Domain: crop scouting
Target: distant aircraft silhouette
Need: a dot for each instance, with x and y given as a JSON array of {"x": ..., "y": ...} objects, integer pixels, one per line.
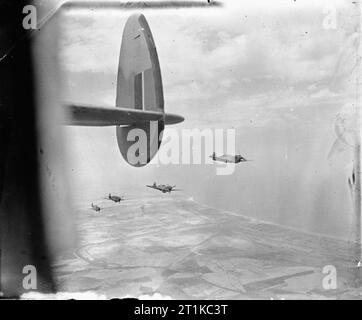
[
  {"x": 228, "y": 158},
  {"x": 164, "y": 188},
  {"x": 115, "y": 198},
  {"x": 95, "y": 207}
]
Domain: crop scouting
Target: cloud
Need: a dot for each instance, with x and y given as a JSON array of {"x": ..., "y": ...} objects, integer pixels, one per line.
[
  {"x": 198, "y": 53},
  {"x": 323, "y": 93}
]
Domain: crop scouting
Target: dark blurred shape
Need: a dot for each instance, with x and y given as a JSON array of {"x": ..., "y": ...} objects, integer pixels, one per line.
[{"x": 21, "y": 216}]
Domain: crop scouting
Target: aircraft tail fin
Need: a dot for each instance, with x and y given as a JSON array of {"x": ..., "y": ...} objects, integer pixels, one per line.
[
  {"x": 139, "y": 83},
  {"x": 139, "y": 87}
]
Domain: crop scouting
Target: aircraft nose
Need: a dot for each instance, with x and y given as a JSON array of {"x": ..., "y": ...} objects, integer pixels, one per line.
[{"x": 171, "y": 118}]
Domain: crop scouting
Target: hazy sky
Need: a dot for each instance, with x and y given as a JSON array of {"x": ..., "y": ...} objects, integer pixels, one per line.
[{"x": 277, "y": 74}]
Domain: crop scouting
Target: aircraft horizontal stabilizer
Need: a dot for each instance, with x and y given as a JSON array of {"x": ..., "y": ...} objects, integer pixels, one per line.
[{"x": 85, "y": 115}]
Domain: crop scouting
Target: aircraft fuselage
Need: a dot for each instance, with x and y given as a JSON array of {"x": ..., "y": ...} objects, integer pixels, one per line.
[{"x": 229, "y": 158}]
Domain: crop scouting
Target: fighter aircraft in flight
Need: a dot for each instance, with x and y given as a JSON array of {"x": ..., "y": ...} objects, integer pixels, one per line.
[
  {"x": 115, "y": 198},
  {"x": 164, "y": 188},
  {"x": 228, "y": 158},
  {"x": 95, "y": 207}
]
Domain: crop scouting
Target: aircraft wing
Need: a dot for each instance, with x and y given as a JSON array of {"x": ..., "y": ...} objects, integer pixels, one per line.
[
  {"x": 86, "y": 115},
  {"x": 153, "y": 187}
]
